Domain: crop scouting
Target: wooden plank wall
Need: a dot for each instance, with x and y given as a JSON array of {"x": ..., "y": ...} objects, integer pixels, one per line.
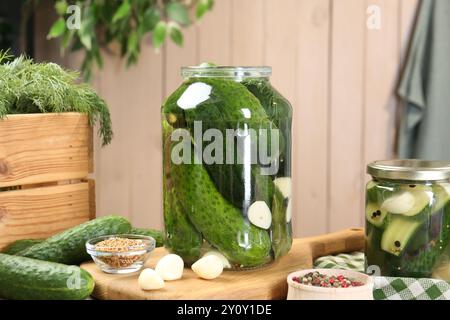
[{"x": 338, "y": 74}]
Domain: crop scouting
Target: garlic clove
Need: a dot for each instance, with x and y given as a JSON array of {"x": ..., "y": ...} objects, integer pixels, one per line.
[
  {"x": 170, "y": 267},
  {"x": 149, "y": 279},
  {"x": 208, "y": 268},
  {"x": 225, "y": 262}
]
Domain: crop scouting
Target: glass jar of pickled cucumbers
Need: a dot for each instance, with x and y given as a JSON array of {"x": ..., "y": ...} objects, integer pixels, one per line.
[
  {"x": 227, "y": 167},
  {"x": 408, "y": 218}
]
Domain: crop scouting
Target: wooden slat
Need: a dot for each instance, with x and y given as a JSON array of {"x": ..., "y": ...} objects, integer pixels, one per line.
[
  {"x": 128, "y": 174},
  {"x": 145, "y": 162},
  {"x": 92, "y": 202},
  {"x": 380, "y": 104},
  {"x": 39, "y": 148},
  {"x": 247, "y": 42},
  {"x": 177, "y": 57},
  {"x": 91, "y": 166},
  {"x": 381, "y": 50},
  {"x": 279, "y": 48},
  {"x": 214, "y": 34},
  {"x": 112, "y": 174},
  {"x": 347, "y": 101},
  {"x": 41, "y": 212},
  {"x": 281, "y": 54},
  {"x": 311, "y": 118}
]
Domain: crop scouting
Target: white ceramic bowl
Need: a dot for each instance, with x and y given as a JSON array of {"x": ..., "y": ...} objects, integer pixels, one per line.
[{"x": 298, "y": 291}]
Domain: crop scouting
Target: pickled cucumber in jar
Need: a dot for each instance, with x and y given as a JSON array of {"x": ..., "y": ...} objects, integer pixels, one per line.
[
  {"x": 227, "y": 166},
  {"x": 407, "y": 216}
]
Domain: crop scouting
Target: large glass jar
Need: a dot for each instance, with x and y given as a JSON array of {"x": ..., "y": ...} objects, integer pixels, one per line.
[
  {"x": 227, "y": 167},
  {"x": 408, "y": 218}
]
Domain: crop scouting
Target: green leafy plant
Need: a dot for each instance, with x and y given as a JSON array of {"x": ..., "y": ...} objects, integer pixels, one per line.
[
  {"x": 29, "y": 87},
  {"x": 126, "y": 22}
]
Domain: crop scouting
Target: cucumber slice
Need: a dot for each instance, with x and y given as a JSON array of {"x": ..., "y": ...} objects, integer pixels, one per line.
[
  {"x": 375, "y": 215},
  {"x": 398, "y": 233},
  {"x": 421, "y": 264},
  {"x": 408, "y": 202},
  {"x": 373, "y": 253},
  {"x": 442, "y": 196},
  {"x": 371, "y": 191},
  {"x": 418, "y": 247},
  {"x": 284, "y": 185}
]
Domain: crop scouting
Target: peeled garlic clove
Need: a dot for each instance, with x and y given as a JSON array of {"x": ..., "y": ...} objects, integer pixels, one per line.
[
  {"x": 208, "y": 268},
  {"x": 149, "y": 279},
  {"x": 170, "y": 267},
  {"x": 225, "y": 262},
  {"x": 260, "y": 215}
]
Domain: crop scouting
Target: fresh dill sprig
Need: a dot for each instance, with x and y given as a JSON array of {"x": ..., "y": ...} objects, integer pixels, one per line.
[{"x": 29, "y": 87}]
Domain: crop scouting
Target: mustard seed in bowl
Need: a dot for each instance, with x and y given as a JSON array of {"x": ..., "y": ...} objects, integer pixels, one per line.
[
  {"x": 117, "y": 244},
  {"x": 120, "y": 253}
]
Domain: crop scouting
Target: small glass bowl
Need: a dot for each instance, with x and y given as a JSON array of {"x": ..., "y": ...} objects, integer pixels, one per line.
[{"x": 124, "y": 261}]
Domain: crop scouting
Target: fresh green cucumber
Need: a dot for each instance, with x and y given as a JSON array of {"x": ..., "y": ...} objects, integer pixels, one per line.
[
  {"x": 155, "y": 234},
  {"x": 375, "y": 215},
  {"x": 281, "y": 228},
  {"x": 29, "y": 279},
  {"x": 181, "y": 237},
  {"x": 68, "y": 247},
  {"x": 20, "y": 245},
  {"x": 220, "y": 223}
]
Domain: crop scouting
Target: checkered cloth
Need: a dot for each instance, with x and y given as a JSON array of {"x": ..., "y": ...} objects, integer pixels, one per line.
[{"x": 389, "y": 288}]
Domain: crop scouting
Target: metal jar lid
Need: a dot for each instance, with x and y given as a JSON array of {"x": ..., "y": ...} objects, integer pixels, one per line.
[{"x": 410, "y": 169}]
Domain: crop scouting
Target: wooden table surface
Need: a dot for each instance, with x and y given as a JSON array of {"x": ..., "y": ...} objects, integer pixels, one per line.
[{"x": 268, "y": 282}]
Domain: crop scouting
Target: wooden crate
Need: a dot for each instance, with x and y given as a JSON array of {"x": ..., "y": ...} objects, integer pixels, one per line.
[{"x": 45, "y": 161}]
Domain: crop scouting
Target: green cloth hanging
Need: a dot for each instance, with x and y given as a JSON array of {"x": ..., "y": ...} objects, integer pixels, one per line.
[{"x": 425, "y": 86}]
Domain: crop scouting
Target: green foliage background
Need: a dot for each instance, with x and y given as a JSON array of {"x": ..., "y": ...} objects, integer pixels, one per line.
[{"x": 125, "y": 22}]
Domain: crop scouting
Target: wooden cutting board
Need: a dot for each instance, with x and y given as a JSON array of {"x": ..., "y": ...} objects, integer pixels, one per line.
[{"x": 265, "y": 283}]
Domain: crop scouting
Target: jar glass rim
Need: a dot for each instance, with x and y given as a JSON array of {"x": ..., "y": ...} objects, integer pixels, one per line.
[
  {"x": 410, "y": 169},
  {"x": 238, "y": 72}
]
